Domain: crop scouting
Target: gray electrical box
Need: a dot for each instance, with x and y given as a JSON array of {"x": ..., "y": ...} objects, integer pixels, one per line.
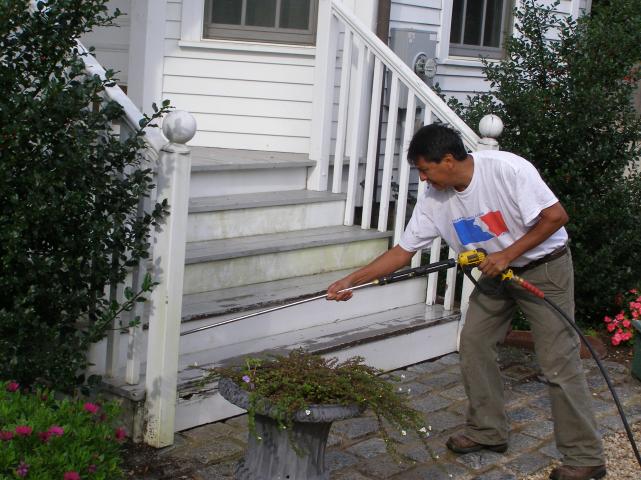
[{"x": 417, "y": 48}]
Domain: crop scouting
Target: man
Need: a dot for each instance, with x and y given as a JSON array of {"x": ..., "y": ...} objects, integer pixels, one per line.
[{"x": 497, "y": 201}]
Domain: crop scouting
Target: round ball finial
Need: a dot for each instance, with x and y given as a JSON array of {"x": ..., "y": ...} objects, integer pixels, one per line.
[
  {"x": 179, "y": 126},
  {"x": 491, "y": 126}
]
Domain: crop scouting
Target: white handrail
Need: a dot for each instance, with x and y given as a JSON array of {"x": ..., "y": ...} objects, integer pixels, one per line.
[
  {"x": 406, "y": 75},
  {"x": 131, "y": 115}
]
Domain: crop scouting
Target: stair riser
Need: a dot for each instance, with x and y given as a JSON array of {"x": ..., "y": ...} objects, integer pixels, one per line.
[
  {"x": 206, "y": 184},
  {"x": 387, "y": 354},
  {"x": 264, "y": 220},
  {"x": 206, "y": 276},
  {"x": 320, "y": 312}
]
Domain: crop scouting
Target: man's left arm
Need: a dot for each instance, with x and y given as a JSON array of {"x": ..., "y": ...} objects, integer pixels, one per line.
[{"x": 550, "y": 220}]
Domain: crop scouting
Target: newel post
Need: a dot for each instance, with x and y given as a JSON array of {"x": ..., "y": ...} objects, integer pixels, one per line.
[
  {"x": 174, "y": 166},
  {"x": 490, "y": 128}
]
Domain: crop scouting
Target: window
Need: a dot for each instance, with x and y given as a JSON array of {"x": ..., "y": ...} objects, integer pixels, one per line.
[
  {"x": 274, "y": 21},
  {"x": 478, "y": 27}
]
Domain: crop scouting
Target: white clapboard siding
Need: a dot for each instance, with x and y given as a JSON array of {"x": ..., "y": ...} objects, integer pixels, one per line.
[
  {"x": 256, "y": 100},
  {"x": 112, "y": 43}
]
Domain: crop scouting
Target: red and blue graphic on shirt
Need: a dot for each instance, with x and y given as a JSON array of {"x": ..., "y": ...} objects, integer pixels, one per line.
[{"x": 480, "y": 228}]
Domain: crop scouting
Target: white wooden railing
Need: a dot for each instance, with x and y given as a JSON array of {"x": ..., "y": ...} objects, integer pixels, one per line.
[
  {"x": 359, "y": 111},
  {"x": 170, "y": 160}
]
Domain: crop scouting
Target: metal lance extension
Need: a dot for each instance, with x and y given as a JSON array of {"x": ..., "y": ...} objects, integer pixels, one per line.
[{"x": 391, "y": 278}]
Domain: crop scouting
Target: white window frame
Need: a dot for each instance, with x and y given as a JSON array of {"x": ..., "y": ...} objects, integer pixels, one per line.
[
  {"x": 191, "y": 35},
  {"x": 475, "y": 51},
  {"x": 251, "y": 33}
]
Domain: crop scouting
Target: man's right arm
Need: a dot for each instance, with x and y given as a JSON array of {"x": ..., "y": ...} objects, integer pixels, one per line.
[{"x": 387, "y": 263}]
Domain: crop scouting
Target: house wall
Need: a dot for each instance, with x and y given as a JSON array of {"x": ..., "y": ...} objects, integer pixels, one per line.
[
  {"x": 457, "y": 76},
  {"x": 258, "y": 99},
  {"x": 112, "y": 43}
]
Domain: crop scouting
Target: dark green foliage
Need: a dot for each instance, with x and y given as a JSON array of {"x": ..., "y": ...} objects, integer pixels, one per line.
[
  {"x": 566, "y": 106},
  {"x": 295, "y": 382},
  {"x": 69, "y": 190}
]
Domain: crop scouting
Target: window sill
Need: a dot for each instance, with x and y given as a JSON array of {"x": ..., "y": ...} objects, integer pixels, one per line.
[
  {"x": 465, "y": 62},
  {"x": 302, "y": 50}
]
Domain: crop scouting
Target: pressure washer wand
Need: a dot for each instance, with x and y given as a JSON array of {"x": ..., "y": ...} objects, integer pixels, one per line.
[{"x": 391, "y": 278}]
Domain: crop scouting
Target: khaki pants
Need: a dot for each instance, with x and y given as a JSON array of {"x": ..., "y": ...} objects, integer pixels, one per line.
[{"x": 557, "y": 350}]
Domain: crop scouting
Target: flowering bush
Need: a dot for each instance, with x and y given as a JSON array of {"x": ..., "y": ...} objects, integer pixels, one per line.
[
  {"x": 44, "y": 438},
  {"x": 620, "y": 326}
]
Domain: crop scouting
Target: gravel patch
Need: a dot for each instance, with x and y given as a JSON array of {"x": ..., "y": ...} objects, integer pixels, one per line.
[{"x": 620, "y": 459}]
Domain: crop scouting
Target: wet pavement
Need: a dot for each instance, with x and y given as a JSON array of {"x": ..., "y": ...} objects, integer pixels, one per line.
[{"x": 356, "y": 452}]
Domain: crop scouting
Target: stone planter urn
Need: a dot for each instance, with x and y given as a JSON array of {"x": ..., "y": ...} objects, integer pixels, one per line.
[{"x": 273, "y": 457}]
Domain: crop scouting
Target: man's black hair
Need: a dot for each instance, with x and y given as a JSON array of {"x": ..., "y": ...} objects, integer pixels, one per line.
[{"x": 433, "y": 142}]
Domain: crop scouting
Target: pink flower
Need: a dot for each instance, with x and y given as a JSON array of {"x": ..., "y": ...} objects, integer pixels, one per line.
[
  {"x": 635, "y": 313},
  {"x": 120, "y": 434},
  {"x": 616, "y": 340},
  {"x": 44, "y": 436},
  {"x": 92, "y": 468},
  {"x": 5, "y": 435},
  {"x": 626, "y": 323},
  {"x": 626, "y": 336},
  {"x": 607, "y": 319},
  {"x": 91, "y": 407},
  {"x": 12, "y": 386},
  {"x": 56, "y": 431},
  {"x": 23, "y": 430},
  {"x": 620, "y": 316},
  {"x": 611, "y": 327},
  {"x": 72, "y": 476},
  {"x": 22, "y": 469},
  {"x": 634, "y": 290}
]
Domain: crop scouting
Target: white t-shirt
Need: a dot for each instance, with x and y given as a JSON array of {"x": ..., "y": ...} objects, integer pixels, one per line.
[{"x": 501, "y": 203}]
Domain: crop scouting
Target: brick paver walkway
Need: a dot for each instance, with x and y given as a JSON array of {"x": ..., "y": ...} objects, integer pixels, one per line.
[{"x": 356, "y": 453}]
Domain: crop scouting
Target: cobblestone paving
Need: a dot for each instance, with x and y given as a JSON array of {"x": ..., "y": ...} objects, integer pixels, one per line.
[{"x": 355, "y": 452}]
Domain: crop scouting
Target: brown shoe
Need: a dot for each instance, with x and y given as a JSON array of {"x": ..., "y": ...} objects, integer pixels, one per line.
[
  {"x": 461, "y": 444},
  {"x": 578, "y": 473}
]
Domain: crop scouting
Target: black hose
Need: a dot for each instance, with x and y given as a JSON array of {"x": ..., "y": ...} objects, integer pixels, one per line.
[{"x": 628, "y": 430}]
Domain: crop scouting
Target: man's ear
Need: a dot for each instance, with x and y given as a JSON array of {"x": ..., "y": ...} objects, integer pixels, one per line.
[{"x": 448, "y": 160}]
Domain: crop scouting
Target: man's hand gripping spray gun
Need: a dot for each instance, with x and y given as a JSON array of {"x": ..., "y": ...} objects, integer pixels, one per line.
[{"x": 473, "y": 258}]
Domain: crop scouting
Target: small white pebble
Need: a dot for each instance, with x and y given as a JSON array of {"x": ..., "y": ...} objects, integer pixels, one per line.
[
  {"x": 429, "y": 427},
  {"x": 402, "y": 376},
  {"x": 308, "y": 412},
  {"x": 259, "y": 438},
  {"x": 427, "y": 434},
  {"x": 409, "y": 390},
  {"x": 594, "y": 394},
  {"x": 400, "y": 389},
  {"x": 423, "y": 429},
  {"x": 195, "y": 364},
  {"x": 403, "y": 432},
  {"x": 436, "y": 456},
  {"x": 450, "y": 475}
]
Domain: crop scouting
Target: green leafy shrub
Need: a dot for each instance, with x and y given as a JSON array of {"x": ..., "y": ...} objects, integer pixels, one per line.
[
  {"x": 565, "y": 100},
  {"x": 44, "y": 438},
  {"x": 69, "y": 192},
  {"x": 292, "y": 383}
]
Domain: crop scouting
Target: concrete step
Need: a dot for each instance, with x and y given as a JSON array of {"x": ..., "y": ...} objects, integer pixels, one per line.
[
  {"x": 216, "y": 306},
  {"x": 221, "y": 171},
  {"x": 387, "y": 340},
  {"x": 246, "y": 214},
  {"x": 226, "y": 263}
]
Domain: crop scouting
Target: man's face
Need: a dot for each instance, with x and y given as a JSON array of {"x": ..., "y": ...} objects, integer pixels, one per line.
[{"x": 437, "y": 174}]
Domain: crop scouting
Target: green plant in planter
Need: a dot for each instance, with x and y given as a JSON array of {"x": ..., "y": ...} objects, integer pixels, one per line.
[{"x": 293, "y": 383}]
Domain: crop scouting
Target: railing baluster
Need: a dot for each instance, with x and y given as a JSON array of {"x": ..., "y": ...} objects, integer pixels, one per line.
[
  {"x": 388, "y": 162},
  {"x": 352, "y": 178},
  {"x": 404, "y": 167},
  {"x": 450, "y": 284},
  {"x": 420, "y": 191},
  {"x": 432, "y": 279},
  {"x": 341, "y": 128},
  {"x": 428, "y": 115},
  {"x": 116, "y": 293},
  {"x": 372, "y": 142}
]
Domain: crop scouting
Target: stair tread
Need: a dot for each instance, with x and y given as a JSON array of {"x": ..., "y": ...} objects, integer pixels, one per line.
[
  {"x": 255, "y": 296},
  {"x": 210, "y": 159},
  {"x": 223, "y": 249},
  {"x": 264, "y": 199},
  {"x": 322, "y": 339}
]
